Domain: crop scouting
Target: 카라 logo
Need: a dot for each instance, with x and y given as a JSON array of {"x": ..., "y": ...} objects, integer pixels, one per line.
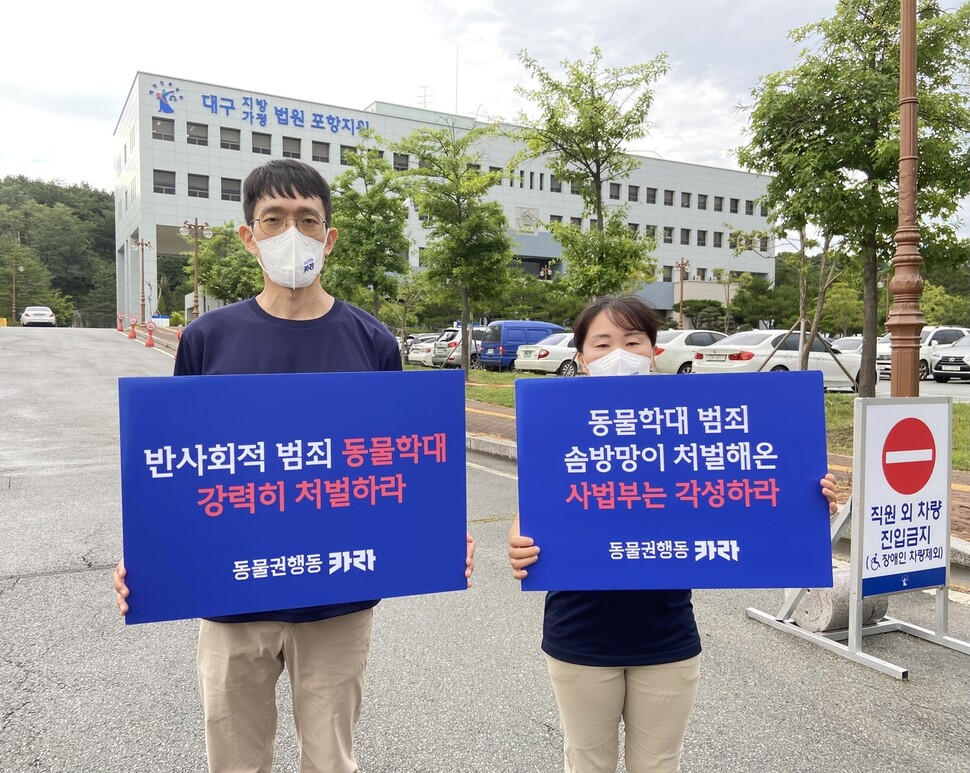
[
  {"x": 308, "y": 265},
  {"x": 167, "y": 95}
]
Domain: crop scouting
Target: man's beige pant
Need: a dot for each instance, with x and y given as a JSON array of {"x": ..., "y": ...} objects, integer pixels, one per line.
[
  {"x": 654, "y": 702},
  {"x": 239, "y": 665}
]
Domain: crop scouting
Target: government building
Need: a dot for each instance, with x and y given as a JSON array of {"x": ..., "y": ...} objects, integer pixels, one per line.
[{"x": 183, "y": 149}]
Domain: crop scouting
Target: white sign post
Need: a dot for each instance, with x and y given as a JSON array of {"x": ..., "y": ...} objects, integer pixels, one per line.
[{"x": 900, "y": 518}]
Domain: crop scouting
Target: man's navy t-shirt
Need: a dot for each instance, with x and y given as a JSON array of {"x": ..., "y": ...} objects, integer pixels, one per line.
[{"x": 243, "y": 339}]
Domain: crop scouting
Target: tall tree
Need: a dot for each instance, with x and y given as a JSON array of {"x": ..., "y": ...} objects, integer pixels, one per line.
[
  {"x": 827, "y": 132},
  {"x": 583, "y": 123},
  {"x": 469, "y": 245},
  {"x": 370, "y": 212},
  {"x": 226, "y": 269}
]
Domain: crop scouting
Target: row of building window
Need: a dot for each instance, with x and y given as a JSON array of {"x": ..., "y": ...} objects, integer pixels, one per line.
[
  {"x": 163, "y": 181},
  {"x": 292, "y": 147},
  {"x": 701, "y": 274},
  {"x": 701, "y": 240}
]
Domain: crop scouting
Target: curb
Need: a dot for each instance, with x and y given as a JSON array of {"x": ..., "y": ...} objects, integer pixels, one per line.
[{"x": 959, "y": 548}]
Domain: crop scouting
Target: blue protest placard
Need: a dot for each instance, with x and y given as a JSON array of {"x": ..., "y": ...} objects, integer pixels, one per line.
[
  {"x": 255, "y": 493},
  {"x": 698, "y": 481}
]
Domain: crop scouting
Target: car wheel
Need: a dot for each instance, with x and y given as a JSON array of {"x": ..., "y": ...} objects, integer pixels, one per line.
[
  {"x": 685, "y": 368},
  {"x": 779, "y": 369},
  {"x": 474, "y": 363},
  {"x": 568, "y": 368},
  {"x": 924, "y": 370},
  {"x": 940, "y": 378}
]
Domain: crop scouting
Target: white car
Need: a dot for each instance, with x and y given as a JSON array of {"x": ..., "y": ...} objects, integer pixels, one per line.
[
  {"x": 447, "y": 347},
  {"x": 952, "y": 361},
  {"x": 38, "y": 315},
  {"x": 752, "y": 351},
  {"x": 421, "y": 353},
  {"x": 674, "y": 352},
  {"x": 848, "y": 343},
  {"x": 930, "y": 339},
  {"x": 553, "y": 354}
]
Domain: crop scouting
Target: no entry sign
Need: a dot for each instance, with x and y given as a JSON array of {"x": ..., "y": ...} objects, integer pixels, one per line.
[{"x": 909, "y": 456}]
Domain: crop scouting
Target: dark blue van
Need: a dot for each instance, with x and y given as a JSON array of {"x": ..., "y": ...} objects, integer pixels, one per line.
[{"x": 504, "y": 336}]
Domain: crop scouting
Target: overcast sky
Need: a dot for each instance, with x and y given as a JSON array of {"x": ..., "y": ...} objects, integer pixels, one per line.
[{"x": 66, "y": 69}]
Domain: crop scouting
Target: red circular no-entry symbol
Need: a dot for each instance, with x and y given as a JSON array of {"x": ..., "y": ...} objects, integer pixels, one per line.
[{"x": 908, "y": 456}]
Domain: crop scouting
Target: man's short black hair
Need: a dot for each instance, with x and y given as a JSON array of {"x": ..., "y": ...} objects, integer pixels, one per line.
[{"x": 288, "y": 179}]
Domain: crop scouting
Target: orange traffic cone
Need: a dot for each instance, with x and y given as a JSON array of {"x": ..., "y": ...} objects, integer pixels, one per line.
[
  {"x": 150, "y": 327},
  {"x": 121, "y": 323},
  {"x": 131, "y": 330}
]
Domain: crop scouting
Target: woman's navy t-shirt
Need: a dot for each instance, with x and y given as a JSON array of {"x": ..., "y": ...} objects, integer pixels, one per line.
[
  {"x": 620, "y": 628},
  {"x": 242, "y": 338}
]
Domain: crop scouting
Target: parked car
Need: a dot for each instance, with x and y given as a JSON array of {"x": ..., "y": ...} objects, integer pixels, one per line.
[
  {"x": 674, "y": 352},
  {"x": 503, "y": 338},
  {"x": 951, "y": 361},
  {"x": 930, "y": 338},
  {"x": 416, "y": 338},
  {"x": 746, "y": 352},
  {"x": 420, "y": 353},
  {"x": 447, "y": 347},
  {"x": 553, "y": 354},
  {"x": 848, "y": 343},
  {"x": 38, "y": 315}
]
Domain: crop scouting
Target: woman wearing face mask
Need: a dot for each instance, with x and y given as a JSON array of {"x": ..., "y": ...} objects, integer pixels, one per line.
[{"x": 626, "y": 654}]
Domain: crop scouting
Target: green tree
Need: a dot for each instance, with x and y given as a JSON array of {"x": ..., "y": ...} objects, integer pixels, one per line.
[
  {"x": 842, "y": 312},
  {"x": 226, "y": 269},
  {"x": 583, "y": 123},
  {"x": 468, "y": 245},
  {"x": 827, "y": 132},
  {"x": 941, "y": 308},
  {"x": 33, "y": 283},
  {"x": 370, "y": 212}
]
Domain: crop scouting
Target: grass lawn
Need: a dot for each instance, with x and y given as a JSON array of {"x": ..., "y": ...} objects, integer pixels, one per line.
[{"x": 496, "y": 388}]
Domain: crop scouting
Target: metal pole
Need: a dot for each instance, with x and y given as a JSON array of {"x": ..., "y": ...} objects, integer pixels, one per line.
[
  {"x": 195, "y": 291},
  {"x": 682, "y": 266},
  {"x": 13, "y": 290},
  {"x": 141, "y": 245},
  {"x": 905, "y": 318}
]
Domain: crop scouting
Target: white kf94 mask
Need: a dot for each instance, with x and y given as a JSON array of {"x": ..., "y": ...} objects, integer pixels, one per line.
[
  {"x": 620, "y": 362},
  {"x": 291, "y": 259}
]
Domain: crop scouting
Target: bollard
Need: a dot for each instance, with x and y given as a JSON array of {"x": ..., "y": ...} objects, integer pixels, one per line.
[
  {"x": 827, "y": 609},
  {"x": 121, "y": 323},
  {"x": 131, "y": 330},
  {"x": 150, "y": 327}
]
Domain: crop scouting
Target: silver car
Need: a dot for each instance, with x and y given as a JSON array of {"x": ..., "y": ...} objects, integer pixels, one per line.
[{"x": 952, "y": 361}]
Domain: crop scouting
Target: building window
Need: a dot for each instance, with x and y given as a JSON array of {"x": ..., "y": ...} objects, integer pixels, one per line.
[
  {"x": 199, "y": 186},
  {"x": 651, "y": 195},
  {"x": 633, "y": 193},
  {"x": 748, "y": 207},
  {"x": 228, "y": 138},
  {"x": 764, "y": 244},
  {"x": 197, "y": 134},
  {"x": 320, "y": 152},
  {"x": 732, "y": 241},
  {"x": 532, "y": 180},
  {"x": 718, "y": 239},
  {"x": 764, "y": 210},
  {"x": 702, "y": 238},
  {"x": 291, "y": 147},
  {"x": 493, "y": 169},
  {"x": 668, "y": 234},
  {"x": 574, "y": 189},
  {"x": 262, "y": 143},
  {"x": 163, "y": 182},
  {"x": 668, "y": 275},
  {"x": 555, "y": 184},
  {"x": 718, "y": 203},
  {"x": 593, "y": 224},
  {"x": 423, "y": 163},
  {"x": 542, "y": 181},
  {"x": 421, "y": 258},
  {"x": 668, "y": 198},
  {"x": 734, "y": 206},
  {"x": 231, "y": 189},
  {"x": 651, "y": 231},
  {"x": 401, "y": 162},
  {"x": 345, "y": 151},
  {"x": 576, "y": 221},
  {"x": 685, "y": 236},
  {"x": 701, "y": 274},
  {"x": 702, "y": 201},
  {"x": 521, "y": 178},
  {"x": 163, "y": 129},
  {"x": 685, "y": 200},
  {"x": 615, "y": 191},
  {"x": 634, "y": 228},
  {"x": 555, "y": 218}
]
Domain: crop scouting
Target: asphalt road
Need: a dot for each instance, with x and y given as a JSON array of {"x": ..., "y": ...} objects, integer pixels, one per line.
[{"x": 456, "y": 682}]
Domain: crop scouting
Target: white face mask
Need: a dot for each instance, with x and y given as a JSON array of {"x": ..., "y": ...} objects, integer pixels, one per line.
[
  {"x": 291, "y": 259},
  {"x": 620, "y": 362}
]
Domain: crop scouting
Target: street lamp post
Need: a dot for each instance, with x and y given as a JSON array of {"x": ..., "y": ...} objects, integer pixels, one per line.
[
  {"x": 142, "y": 246},
  {"x": 195, "y": 228},
  {"x": 905, "y": 319},
  {"x": 683, "y": 264},
  {"x": 15, "y": 268}
]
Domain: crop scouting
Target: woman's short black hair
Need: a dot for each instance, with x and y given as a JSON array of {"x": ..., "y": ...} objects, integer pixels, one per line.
[
  {"x": 288, "y": 179},
  {"x": 630, "y": 312}
]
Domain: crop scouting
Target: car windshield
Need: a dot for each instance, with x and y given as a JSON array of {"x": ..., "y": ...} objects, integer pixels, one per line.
[
  {"x": 553, "y": 340},
  {"x": 666, "y": 336},
  {"x": 750, "y": 338}
]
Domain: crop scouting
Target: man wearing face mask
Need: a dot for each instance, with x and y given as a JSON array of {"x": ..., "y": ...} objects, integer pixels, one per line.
[{"x": 292, "y": 326}]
